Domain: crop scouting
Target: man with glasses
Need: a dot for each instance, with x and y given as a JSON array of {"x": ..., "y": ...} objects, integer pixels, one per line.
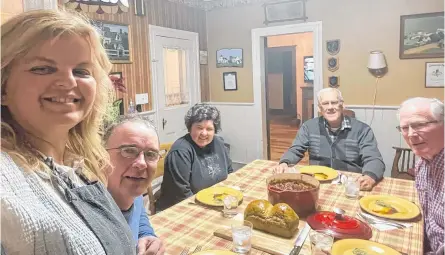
[
  {"x": 337, "y": 141},
  {"x": 422, "y": 127},
  {"x": 133, "y": 146}
]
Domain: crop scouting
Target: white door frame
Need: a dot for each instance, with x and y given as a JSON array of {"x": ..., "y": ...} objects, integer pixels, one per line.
[
  {"x": 258, "y": 68},
  {"x": 195, "y": 93}
]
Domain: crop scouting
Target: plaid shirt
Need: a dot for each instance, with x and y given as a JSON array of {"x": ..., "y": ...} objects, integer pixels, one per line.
[
  {"x": 430, "y": 185},
  {"x": 333, "y": 134}
]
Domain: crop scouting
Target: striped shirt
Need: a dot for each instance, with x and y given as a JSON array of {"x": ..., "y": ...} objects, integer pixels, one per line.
[{"x": 430, "y": 186}]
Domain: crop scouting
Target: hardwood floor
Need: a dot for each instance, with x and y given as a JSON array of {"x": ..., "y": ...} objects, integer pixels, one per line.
[{"x": 283, "y": 130}]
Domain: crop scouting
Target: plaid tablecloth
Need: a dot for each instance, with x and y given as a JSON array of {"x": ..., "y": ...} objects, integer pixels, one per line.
[{"x": 188, "y": 225}]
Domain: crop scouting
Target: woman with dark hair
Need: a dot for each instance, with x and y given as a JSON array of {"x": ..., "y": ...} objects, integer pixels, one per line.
[{"x": 197, "y": 160}]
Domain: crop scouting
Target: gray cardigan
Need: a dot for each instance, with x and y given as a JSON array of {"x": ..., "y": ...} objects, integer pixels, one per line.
[{"x": 354, "y": 149}]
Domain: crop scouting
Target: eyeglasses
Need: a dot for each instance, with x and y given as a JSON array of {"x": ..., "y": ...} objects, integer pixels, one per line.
[
  {"x": 133, "y": 152},
  {"x": 417, "y": 126},
  {"x": 333, "y": 103}
]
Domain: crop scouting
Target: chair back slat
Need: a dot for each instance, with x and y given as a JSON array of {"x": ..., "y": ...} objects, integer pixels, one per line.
[{"x": 403, "y": 165}]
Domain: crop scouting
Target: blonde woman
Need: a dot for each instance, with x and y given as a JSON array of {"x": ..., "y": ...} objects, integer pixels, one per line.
[{"x": 54, "y": 92}]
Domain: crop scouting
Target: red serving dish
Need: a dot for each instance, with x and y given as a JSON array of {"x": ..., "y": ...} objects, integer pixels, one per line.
[
  {"x": 338, "y": 225},
  {"x": 303, "y": 202}
]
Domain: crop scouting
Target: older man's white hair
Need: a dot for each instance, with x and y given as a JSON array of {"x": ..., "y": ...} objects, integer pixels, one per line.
[
  {"x": 436, "y": 106},
  {"x": 322, "y": 91}
]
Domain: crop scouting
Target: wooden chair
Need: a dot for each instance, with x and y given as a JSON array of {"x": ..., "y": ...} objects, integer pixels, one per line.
[
  {"x": 153, "y": 197},
  {"x": 404, "y": 163},
  {"x": 349, "y": 113}
]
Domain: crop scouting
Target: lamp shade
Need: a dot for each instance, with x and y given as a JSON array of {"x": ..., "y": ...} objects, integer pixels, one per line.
[{"x": 376, "y": 60}]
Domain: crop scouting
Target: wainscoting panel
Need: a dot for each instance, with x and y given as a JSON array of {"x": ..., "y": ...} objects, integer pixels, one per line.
[
  {"x": 240, "y": 130},
  {"x": 383, "y": 121}
]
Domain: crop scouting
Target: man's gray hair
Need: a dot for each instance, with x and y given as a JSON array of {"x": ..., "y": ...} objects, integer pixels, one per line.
[
  {"x": 436, "y": 106},
  {"x": 132, "y": 118},
  {"x": 322, "y": 91}
]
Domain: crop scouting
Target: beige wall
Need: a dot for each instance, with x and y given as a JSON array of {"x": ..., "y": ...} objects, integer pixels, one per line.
[
  {"x": 361, "y": 26},
  {"x": 305, "y": 47},
  {"x": 10, "y": 8}
]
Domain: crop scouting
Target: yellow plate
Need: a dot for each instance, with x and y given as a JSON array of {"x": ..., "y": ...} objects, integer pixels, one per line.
[
  {"x": 213, "y": 196},
  {"x": 321, "y": 173},
  {"x": 362, "y": 247},
  {"x": 375, "y": 204},
  {"x": 214, "y": 252}
]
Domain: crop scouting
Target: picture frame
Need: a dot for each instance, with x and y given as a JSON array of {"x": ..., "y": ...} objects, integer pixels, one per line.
[
  {"x": 308, "y": 69},
  {"x": 230, "y": 81},
  {"x": 422, "y": 36},
  {"x": 116, "y": 40},
  {"x": 229, "y": 58},
  {"x": 117, "y": 74},
  {"x": 284, "y": 11},
  {"x": 434, "y": 75},
  {"x": 203, "y": 57}
]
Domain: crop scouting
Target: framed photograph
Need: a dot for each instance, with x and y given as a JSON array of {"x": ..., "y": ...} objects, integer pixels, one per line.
[
  {"x": 116, "y": 74},
  {"x": 421, "y": 36},
  {"x": 230, "y": 81},
  {"x": 203, "y": 57},
  {"x": 434, "y": 75},
  {"x": 309, "y": 69},
  {"x": 115, "y": 39},
  {"x": 285, "y": 11},
  {"x": 229, "y": 58}
]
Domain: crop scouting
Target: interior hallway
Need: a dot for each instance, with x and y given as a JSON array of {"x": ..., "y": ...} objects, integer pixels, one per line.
[{"x": 283, "y": 130}]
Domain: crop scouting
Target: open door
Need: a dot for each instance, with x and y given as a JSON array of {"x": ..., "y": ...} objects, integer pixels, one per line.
[{"x": 280, "y": 88}]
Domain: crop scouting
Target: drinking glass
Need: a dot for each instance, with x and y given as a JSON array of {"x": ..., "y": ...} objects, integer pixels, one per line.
[
  {"x": 242, "y": 235},
  {"x": 352, "y": 188},
  {"x": 230, "y": 204},
  {"x": 321, "y": 243}
]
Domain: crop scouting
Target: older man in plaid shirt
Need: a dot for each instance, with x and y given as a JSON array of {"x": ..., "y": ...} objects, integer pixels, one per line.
[{"x": 422, "y": 126}]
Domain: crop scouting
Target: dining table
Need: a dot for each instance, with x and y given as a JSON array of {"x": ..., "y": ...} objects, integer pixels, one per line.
[{"x": 187, "y": 224}]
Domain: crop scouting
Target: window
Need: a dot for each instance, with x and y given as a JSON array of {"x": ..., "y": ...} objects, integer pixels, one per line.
[{"x": 176, "y": 87}]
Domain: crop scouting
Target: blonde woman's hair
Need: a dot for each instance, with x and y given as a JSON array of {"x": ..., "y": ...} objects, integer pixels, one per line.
[{"x": 31, "y": 29}]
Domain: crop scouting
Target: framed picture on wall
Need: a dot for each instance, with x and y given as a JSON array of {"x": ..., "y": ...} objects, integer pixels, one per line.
[
  {"x": 421, "y": 36},
  {"x": 434, "y": 75},
  {"x": 229, "y": 58},
  {"x": 115, "y": 39},
  {"x": 230, "y": 81},
  {"x": 116, "y": 74},
  {"x": 309, "y": 69}
]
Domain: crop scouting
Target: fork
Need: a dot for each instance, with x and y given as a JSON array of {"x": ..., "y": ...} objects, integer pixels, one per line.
[
  {"x": 185, "y": 251},
  {"x": 197, "y": 249}
]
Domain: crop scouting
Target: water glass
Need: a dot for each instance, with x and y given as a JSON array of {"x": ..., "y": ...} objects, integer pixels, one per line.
[
  {"x": 321, "y": 243},
  {"x": 230, "y": 204},
  {"x": 242, "y": 236},
  {"x": 352, "y": 188}
]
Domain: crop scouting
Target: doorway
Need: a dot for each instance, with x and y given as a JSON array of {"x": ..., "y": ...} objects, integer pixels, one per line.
[
  {"x": 175, "y": 79},
  {"x": 259, "y": 73},
  {"x": 292, "y": 79},
  {"x": 280, "y": 97}
]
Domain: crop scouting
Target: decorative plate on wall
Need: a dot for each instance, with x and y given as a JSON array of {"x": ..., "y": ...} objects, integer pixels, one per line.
[
  {"x": 333, "y": 64},
  {"x": 334, "y": 81}
]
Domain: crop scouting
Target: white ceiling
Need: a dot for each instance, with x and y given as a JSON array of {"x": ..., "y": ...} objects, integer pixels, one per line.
[{"x": 213, "y": 4}]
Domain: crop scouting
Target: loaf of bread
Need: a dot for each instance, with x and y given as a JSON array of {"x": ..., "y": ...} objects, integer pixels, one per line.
[{"x": 280, "y": 219}]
